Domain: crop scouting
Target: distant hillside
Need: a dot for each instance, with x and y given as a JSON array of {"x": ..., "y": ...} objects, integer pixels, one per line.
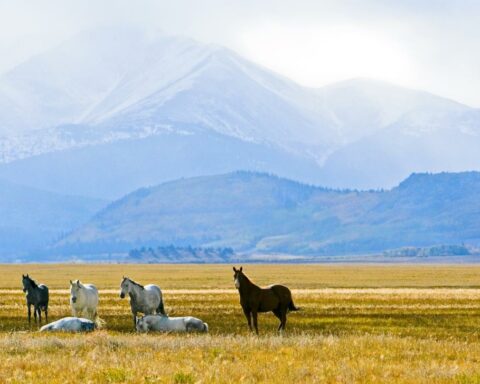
[
  {"x": 31, "y": 219},
  {"x": 253, "y": 212},
  {"x": 172, "y": 254}
]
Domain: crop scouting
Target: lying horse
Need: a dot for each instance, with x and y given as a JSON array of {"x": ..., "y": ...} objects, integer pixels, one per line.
[
  {"x": 144, "y": 299},
  {"x": 37, "y": 295},
  {"x": 70, "y": 324},
  {"x": 83, "y": 299},
  {"x": 166, "y": 324},
  {"x": 253, "y": 299}
]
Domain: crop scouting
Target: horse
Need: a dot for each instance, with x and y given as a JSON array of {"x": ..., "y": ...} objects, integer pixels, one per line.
[
  {"x": 144, "y": 299},
  {"x": 165, "y": 324},
  {"x": 83, "y": 299},
  {"x": 37, "y": 295},
  {"x": 70, "y": 324},
  {"x": 253, "y": 299}
]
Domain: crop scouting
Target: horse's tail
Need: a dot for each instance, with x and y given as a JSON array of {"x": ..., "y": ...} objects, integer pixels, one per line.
[
  {"x": 205, "y": 327},
  {"x": 161, "y": 308},
  {"x": 292, "y": 306},
  {"x": 99, "y": 323}
]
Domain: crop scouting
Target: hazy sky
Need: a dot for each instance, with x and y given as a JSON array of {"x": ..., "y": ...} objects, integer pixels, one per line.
[{"x": 431, "y": 45}]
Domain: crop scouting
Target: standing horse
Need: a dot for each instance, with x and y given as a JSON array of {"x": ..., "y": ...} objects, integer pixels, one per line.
[
  {"x": 83, "y": 299},
  {"x": 144, "y": 299},
  {"x": 37, "y": 295},
  {"x": 253, "y": 299}
]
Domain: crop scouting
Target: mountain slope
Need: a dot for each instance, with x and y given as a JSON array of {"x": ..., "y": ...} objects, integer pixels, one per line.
[
  {"x": 31, "y": 219},
  {"x": 106, "y": 90},
  {"x": 419, "y": 141},
  {"x": 261, "y": 213}
]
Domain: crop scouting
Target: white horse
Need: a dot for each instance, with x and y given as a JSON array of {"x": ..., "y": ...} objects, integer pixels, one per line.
[
  {"x": 70, "y": 324},
  {"x": 83, "y": 299},
  {"x": 167, "y": 324},
  {"x": 143, "y": 299}
]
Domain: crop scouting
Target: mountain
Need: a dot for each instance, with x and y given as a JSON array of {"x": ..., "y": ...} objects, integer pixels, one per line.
[
  {"x": 115, "y": 109},
  {"x": 31, "y": 219},
  {"x": 261, "y": 213},
  {"x": 417, "y": 132}
]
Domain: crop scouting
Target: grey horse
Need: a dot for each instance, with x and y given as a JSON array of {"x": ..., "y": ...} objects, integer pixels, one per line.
[
  {"x": 143, "y": 299},
  {"x": 170, "y": 324},
  {"x": 37, "y": 295},
  {"x": 70, "y": 324}
]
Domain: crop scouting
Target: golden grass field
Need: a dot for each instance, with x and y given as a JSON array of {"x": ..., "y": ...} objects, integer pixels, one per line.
[{"x": 358, "y": 323}]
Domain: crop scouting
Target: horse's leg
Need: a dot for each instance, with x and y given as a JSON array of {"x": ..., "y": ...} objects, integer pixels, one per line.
[
  {"x": 278, "y": 314},
  {"x": 29, "y": 306},
  {"x": 249, "y": 319},
  {"x": 35, "y": 312},
  {"x": 39, "y": 315},
  {"x": 134, "y": 320},
  {"x": 284, "y": 318},
  {"x": 46, "y": 314},
  {"x": 255, "y": 324}
]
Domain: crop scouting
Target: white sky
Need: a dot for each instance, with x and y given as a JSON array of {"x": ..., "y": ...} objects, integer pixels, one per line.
[{"x": 430, "y": 45}]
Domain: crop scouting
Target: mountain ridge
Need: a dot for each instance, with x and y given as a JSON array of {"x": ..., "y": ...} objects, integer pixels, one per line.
[{"x": 261, "y": 213}]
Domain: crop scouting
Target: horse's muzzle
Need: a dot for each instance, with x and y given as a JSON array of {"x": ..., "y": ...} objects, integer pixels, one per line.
[
  {"x": 74, "y": 299},
  {"x": 122, "y": 295},
  {"x": 24, "y": 290}
]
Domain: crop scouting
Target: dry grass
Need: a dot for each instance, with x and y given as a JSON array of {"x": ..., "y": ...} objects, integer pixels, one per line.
[
  {"x": 374, "y": 332},
  {"x": 220, "y": 276}
]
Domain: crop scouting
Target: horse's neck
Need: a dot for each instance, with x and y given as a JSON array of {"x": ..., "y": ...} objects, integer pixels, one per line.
[
  {"x": 135, "y": 295},
  {"x": 246, "y": 286},
  {"x": 31, "y": 290}
]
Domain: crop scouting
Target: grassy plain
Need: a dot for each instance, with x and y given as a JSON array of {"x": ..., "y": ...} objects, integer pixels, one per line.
[{"x": 358, "y": 323}]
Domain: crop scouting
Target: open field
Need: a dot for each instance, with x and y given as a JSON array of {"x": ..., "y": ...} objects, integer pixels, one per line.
[{"x": 394, "y": 323}]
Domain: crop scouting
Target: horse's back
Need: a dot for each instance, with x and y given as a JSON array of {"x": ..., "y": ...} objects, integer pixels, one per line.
[
  {"x": 153, "y": 288},
  {"x": 43, "y": 296},
  {"x": 92, "y": 291},
  {"x": 153, "y": 291},
  {"x": 91, "y": 288},
  {"x": 283, "y": 292},
  {"x": 152, "y": 299}
]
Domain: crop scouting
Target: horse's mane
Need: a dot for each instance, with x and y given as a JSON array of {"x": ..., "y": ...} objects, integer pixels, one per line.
[
  {"x": 135, "y": 283},
  {"x": 32, "y": 282},
  {"x": 246, "y": 278}
]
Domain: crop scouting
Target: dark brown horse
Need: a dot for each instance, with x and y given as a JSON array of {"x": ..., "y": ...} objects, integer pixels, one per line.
[{"x": 275, "y": 298}]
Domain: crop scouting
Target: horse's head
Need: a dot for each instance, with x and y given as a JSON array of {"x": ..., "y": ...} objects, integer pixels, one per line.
[
  {"x": 140, "y": 324},
  {"x": 26, "y": 282},
  {"x": 237, "y": 276},
  {"x": 124, "y": 287},
  {"x": 75, "y": 286}
]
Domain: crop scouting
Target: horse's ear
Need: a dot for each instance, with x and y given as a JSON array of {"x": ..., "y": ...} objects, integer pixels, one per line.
[
  {"x": 78, "y": 283},
  {"x": 241, "y": 268},
  {"x": 27, "y": 275},
  {"x": 71, "y": 282},
  {"x": 23, "y": 275},
  {"x": 234, "y": 269}
]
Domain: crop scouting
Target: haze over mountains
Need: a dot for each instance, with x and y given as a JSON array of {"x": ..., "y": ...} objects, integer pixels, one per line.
[{"x": 115, "y": 109}]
